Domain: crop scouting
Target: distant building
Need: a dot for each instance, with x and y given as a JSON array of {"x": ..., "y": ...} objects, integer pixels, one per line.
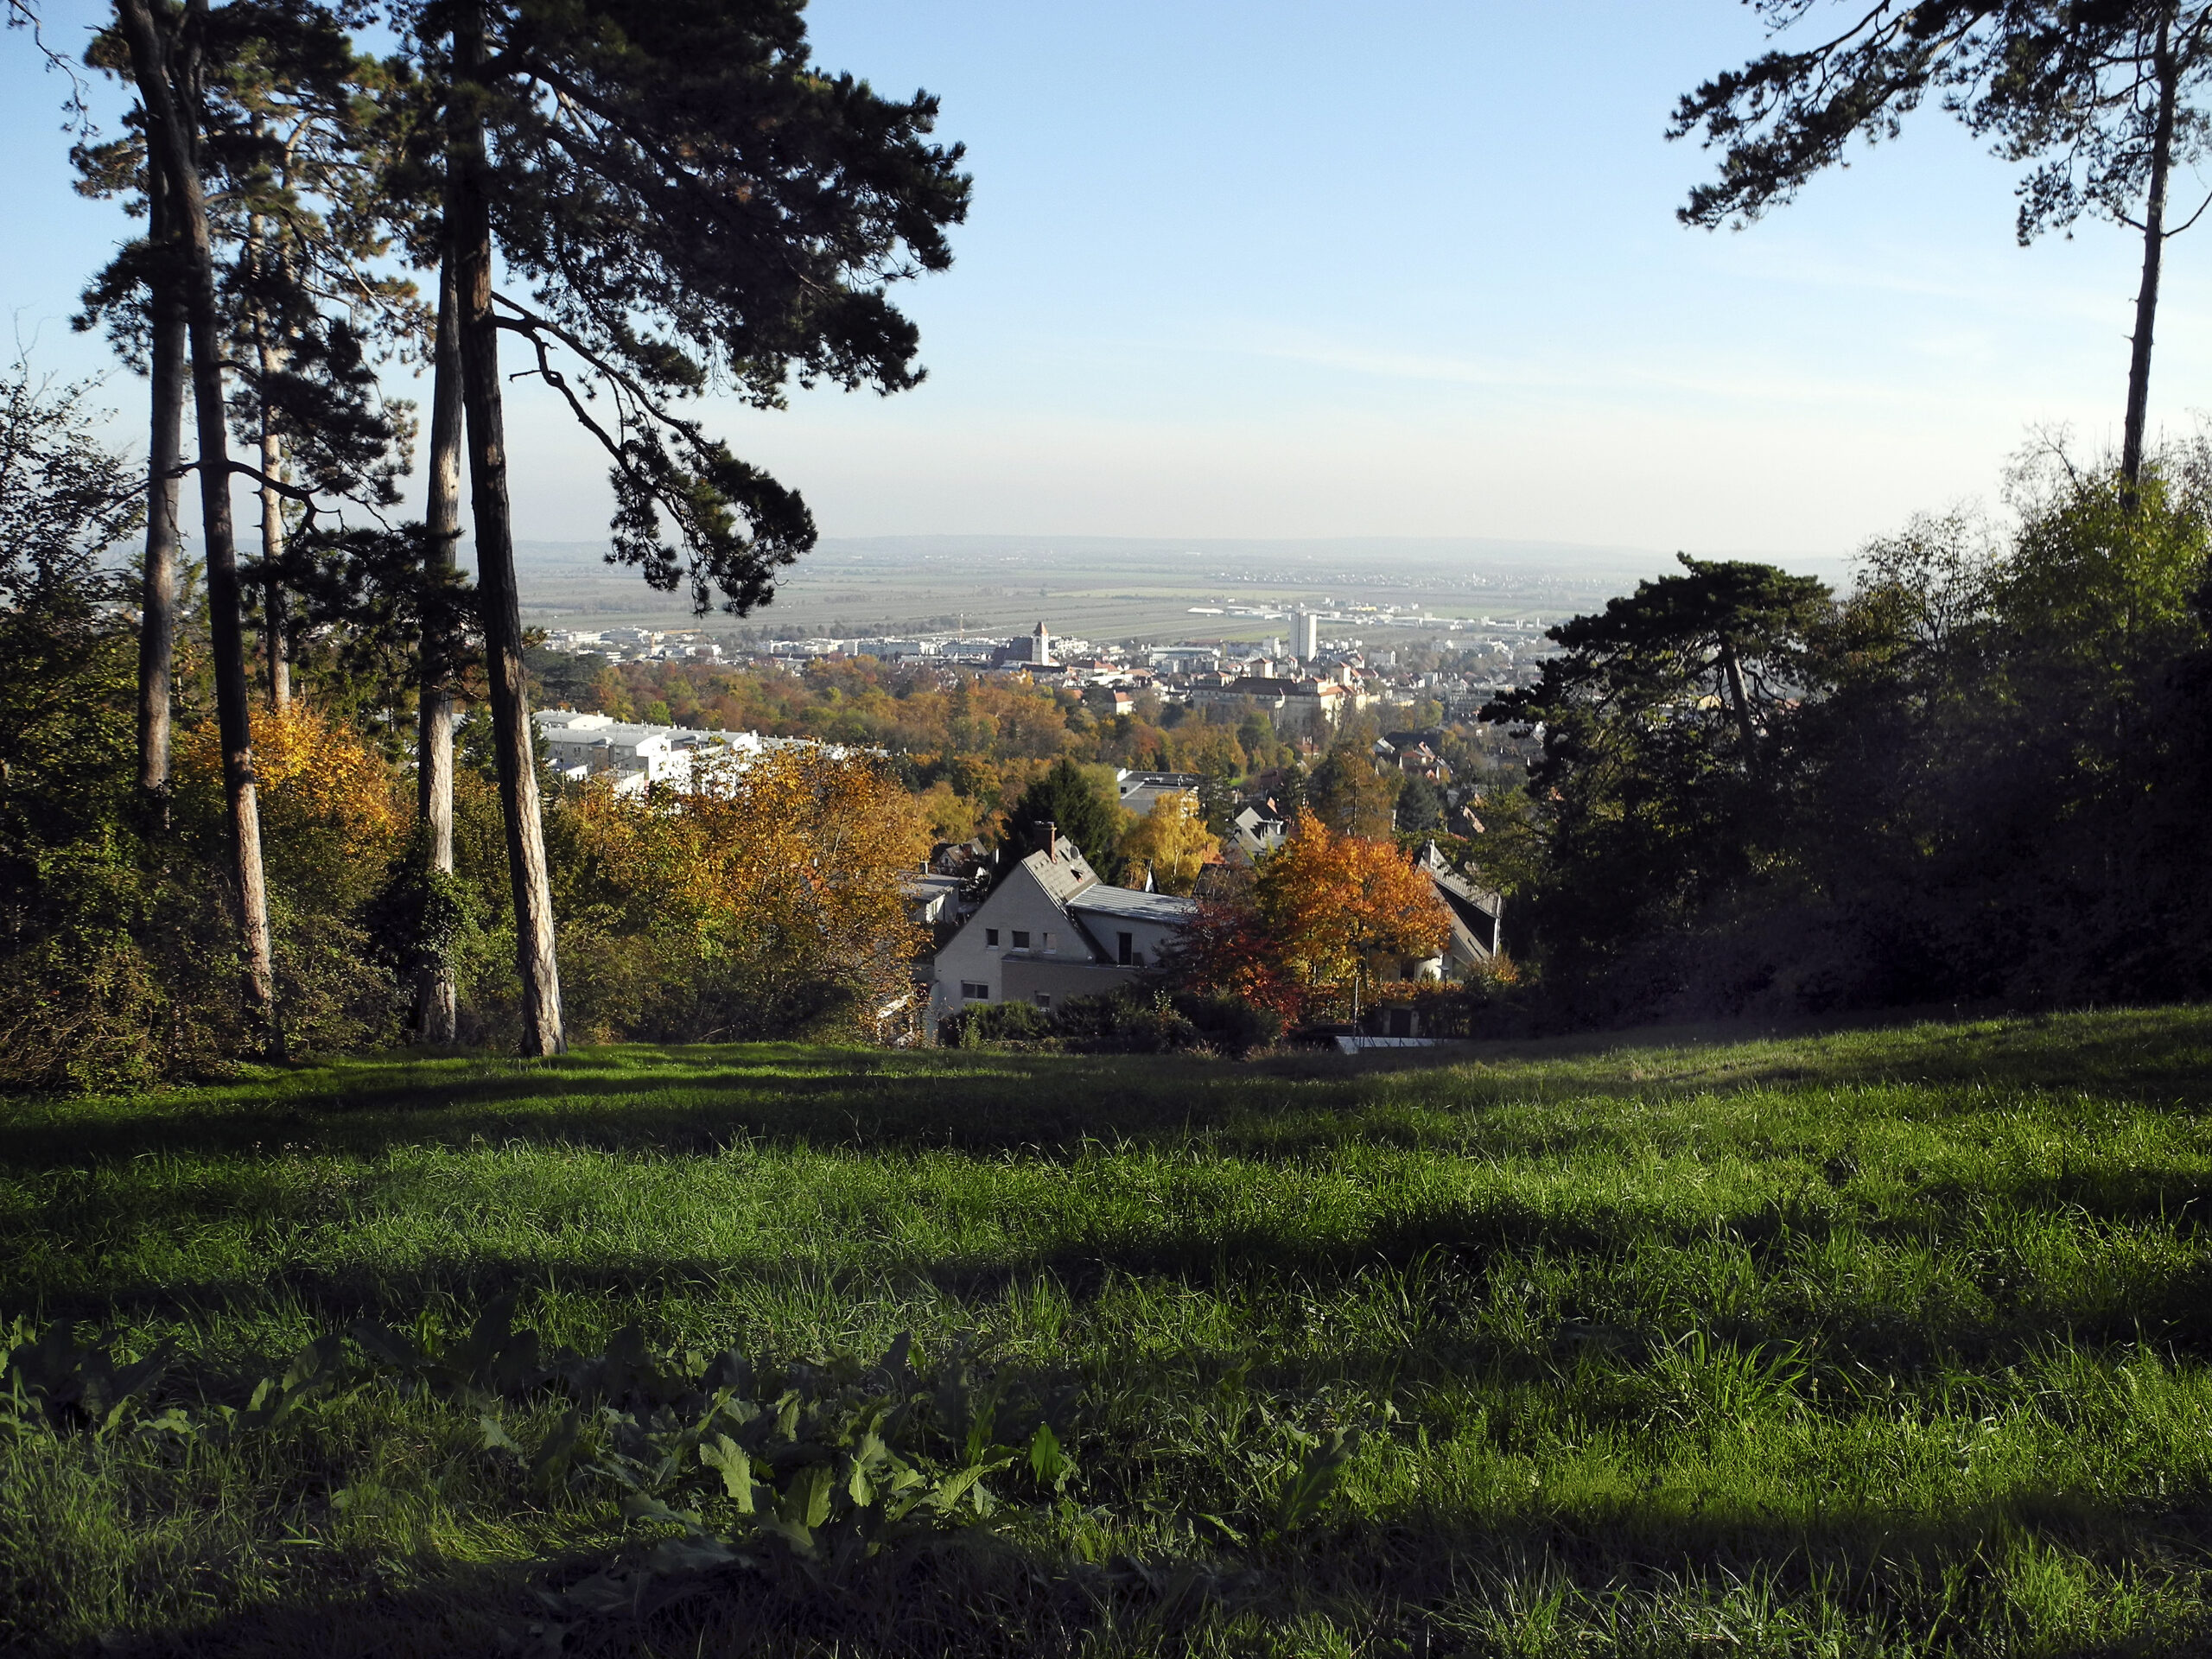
[
  {"x": 1294, "y": 704},
  {"x": 1040, "y": 648},
  {"x": 1256, "y": 831},
  {"x": 1051, "y": 930},
  {"x": 1141, "y": 789},
  {"x": 633, "y": 757},
  {"x": 1305, "y": 626}
]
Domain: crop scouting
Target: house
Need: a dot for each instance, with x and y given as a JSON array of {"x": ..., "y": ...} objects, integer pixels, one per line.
[
  {"x": 1256, "y": 831},
  {"x": 1049, "y": 930},
  {"x": 1109, "y": 701},
  {"x": 1139, "y": 789},
  {"x": 932, "y": 900},
  {"x": 1478, "y": 915}
]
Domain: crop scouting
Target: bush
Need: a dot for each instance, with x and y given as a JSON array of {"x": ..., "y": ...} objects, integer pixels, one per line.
[
  {"x": 992, "y": 1025},
  {"x": 1130, "y": 1020},
  {"x": 1233, "y": 1028}
]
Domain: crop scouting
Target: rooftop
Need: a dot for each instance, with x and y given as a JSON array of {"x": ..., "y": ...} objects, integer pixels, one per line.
[{"x": 1130, "y": 904}]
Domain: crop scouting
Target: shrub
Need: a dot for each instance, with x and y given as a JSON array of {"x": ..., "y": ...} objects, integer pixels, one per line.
[
  {"x": 991, "y": 1024},
  {"x": 1131, "y": 1021}
]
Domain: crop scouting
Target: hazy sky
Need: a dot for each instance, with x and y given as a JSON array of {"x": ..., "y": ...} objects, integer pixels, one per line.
[{"x": 1272, "y": 268}]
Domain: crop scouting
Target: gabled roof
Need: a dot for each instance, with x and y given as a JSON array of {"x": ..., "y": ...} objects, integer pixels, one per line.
[{"x": 1063, "y": 874}]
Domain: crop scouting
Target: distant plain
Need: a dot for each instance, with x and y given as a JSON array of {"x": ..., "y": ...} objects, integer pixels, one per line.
[{"x": 1108, "y": 589}]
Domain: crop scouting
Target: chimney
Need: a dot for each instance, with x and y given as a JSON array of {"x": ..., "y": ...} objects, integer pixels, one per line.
[{"x": 1048, "y": 839}]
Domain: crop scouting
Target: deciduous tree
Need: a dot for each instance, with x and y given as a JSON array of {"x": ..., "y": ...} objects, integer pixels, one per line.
[
  {"x": 1172, "y": 841},
  {"x": 1330, "y": 902},
  {"x": 770, "y": 897}
]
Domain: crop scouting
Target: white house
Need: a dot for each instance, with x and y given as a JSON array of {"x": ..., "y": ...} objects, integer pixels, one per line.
[{"x": 1049, "y": 930}]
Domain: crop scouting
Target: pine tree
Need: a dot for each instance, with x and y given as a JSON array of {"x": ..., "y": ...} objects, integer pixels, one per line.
[
  {"x": 2102, "y": 98},
  {"x": 690, "y": 199}
]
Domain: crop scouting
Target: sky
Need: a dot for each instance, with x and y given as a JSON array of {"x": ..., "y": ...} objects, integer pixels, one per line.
[{"x": 1268, "y": 268}]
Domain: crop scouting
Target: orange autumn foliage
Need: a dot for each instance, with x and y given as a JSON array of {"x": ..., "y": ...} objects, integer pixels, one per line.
[
  {"x": 1330, "y": 901},
  {"x": 773, "y": 894},
  {"x": 1318, "y": 909}
]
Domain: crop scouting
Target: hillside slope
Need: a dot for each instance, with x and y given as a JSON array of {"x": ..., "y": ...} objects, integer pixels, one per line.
[{"x": 1870, "y": 1342}]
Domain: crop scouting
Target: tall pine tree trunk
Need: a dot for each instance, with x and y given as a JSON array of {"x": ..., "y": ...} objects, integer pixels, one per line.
[
  {"x": 275, "y": 644},
  {"x": 172, "y": 147},
  {"x": 435, "y": 1015},
  {"x": 164, "y": 455},
  {"x": 471, "y": 219},
  {"x": 2168, "y": 71}
]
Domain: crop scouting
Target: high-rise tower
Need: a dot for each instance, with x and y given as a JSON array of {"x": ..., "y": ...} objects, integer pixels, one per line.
[{"x": 1307, "y": 628}]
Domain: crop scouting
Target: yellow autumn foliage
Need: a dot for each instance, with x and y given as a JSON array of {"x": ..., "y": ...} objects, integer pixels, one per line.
[
  {"x": 331, "y": 812},
  {"x": 1172, "y": 841},
  {"x": 771, "y": 899}
]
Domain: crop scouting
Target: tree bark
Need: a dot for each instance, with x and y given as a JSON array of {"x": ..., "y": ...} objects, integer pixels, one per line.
[
  {"x": 172, "y": 149},
  {"x": 165, "y": 455},
  {"x": 470, "y": 211},
  {"x": 435, "y": 1011},
  {"x": 275, "y": 644},
  {"x": 2167, "y": 71},
  {"x": 1739, "y": 704}
]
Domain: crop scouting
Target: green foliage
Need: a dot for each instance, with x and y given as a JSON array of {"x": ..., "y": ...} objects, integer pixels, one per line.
[
  {"x": 1420, "y": 808},
  {"x": 1079, "y": 805},
  {"x": 651, "y": 288},
  {"x": 1981, "y": 775},
  {"x": 987, "y": 1025},
  {"x": 1132, "y": 1019},
  {"x": 1349, "y": 795}
]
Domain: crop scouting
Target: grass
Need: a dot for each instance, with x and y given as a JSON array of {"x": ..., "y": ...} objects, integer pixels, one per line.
[{"x": 1868, "y": 1343}]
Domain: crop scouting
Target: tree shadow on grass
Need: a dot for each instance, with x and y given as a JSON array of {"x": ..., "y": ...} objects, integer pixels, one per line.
[
  {"x": 1427, "y": 1581},
  {"x": 1442, "y": 1267},
  {"x": 702, "y": 1100}
]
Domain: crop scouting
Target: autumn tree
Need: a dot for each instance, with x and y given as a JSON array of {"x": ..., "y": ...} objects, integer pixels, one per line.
[
  {"x": 1172, "y": 841},
  {"x": 1332, "y": 902},
  {"x": 1318, "y": 915},
  {"x": 767, "y": 901},
  {"x": 2102, "y": 99}
]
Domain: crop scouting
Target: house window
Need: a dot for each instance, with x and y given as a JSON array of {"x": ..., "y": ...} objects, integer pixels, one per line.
[
  {"x": 990, "y": 936},
  {"x": 1020, "y": 940},
  {"x": 1047, "y": 944},
  {"x": 1127, "y": 943},
  {"x": 971, "y": 992},
  {"x": 1044, "y": 1000}
]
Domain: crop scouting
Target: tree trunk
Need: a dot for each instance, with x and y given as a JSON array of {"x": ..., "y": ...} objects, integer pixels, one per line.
[
  {"x": 2154, "y": 244},
  {"x": 171, "y": 148},
  {"x": 436, "y": 1013},
  {"x": 1739, "y": 704},
  {"x": 274, "y": 642},
  {"x": 471, "y": 219},
  {"x": 164, "y": 455}
]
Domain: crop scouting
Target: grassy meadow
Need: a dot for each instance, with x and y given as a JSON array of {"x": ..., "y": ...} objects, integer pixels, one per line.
[{"x": 1863, "y": 1343}]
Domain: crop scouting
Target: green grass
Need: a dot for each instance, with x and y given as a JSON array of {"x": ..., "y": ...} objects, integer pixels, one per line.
[{"x": 1876, "y": 1342}]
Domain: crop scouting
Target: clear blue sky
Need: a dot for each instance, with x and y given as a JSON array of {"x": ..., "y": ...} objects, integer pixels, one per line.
[{"x": 1268, "y": 267}]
